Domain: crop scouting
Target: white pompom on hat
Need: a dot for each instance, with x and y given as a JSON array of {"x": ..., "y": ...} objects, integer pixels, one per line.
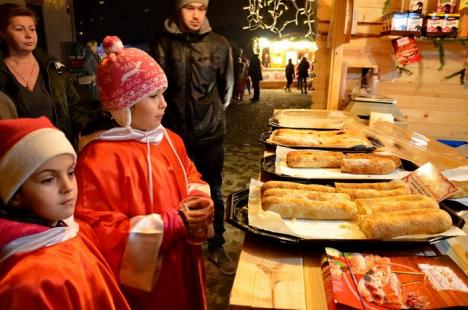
[
  {"x": 126, "y": 76},
  {"x": 27, "y": 143},
  {"x": 181, "y": 3}
]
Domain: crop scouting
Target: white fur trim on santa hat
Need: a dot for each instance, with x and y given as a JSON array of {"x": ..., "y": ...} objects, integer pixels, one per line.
[{"x": 27, "y": 155}]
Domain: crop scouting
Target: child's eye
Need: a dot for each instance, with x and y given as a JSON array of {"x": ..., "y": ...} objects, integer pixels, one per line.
[
  {"x": 47, "y": 180},
  {"x": 71, "y": 173}
]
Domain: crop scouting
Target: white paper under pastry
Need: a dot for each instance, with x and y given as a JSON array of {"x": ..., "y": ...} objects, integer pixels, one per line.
[{"x": 457, "y": 174}]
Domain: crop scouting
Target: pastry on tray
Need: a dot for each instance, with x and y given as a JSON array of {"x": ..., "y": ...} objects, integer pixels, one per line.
[
  {"x": 382, "y": 210},
  {"x": 354, "y": 163},
  {"x": 318, "y": 138}
]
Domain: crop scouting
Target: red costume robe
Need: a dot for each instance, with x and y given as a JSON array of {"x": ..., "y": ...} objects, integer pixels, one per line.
[
  {"x": 146, "y": 243},
  {"x": 54, "y": 268}
]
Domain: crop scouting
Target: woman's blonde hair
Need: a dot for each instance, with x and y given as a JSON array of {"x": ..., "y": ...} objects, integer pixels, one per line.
[{"x": 91, "y": 43}]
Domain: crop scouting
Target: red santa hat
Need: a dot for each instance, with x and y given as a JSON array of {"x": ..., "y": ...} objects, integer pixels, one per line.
[
  {"x": 126, "y": 76},
  {"x": 27, "y": 143}
]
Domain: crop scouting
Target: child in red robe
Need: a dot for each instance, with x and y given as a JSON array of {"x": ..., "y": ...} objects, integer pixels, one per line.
[
  {"x": 47, "y": 259},
  {"x": 142, "y": 170}
]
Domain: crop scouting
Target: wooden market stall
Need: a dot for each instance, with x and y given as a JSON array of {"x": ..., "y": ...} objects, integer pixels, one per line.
[
  {"x": 430, "y": 104},
  {"x": 275, "y": 276}
]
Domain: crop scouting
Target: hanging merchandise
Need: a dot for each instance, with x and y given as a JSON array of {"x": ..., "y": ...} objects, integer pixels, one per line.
[
  {"x": 446, "y": 6},
  {"x": 406, "y": 51}
]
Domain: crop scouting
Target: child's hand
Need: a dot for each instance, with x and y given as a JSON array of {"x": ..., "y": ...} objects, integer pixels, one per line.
[{"x": 199, "y": 213}]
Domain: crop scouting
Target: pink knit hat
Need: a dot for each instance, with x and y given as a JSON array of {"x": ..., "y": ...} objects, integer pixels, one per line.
[
  {"x": 27, "y": 143},
  {"x": 126, "y": 76}
]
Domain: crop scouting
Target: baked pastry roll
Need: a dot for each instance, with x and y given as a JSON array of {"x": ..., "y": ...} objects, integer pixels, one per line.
[
  {"x": 306, "y": 194},
  {"x": 395, "y": 203},
  {"x": 369, "y": 164},
  {"x": 377, "y": 185},
  {"x": 314, "y": 159},
  {"x": 318, "y": 138},
  {"x": 293, "y": 185},
  {"x": 302, "y": 208},
  {"x": 400, "y": 223}
]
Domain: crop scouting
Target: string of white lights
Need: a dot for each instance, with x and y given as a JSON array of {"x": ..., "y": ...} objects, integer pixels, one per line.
[{"x": 268, "y": 14}]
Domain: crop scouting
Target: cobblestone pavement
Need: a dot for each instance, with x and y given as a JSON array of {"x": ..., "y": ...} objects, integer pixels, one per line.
[{"x": 245, "y": 123}]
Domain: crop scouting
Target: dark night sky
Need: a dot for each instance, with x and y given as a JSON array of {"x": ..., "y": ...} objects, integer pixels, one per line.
[{"x": 140, "y": 21}]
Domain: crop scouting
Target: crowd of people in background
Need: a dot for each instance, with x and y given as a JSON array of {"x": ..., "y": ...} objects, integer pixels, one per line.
[{"x": 249, "y": 71}]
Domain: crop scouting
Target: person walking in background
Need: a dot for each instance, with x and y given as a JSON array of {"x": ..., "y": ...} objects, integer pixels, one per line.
[
  {"x": 240, "y": 79},
  {"x": 289, "y": 72},
  {"x": 37, "y": 83},
  {"x": 48, "y": 259},
  {"x": 140, "y": 170},
  {"x": 247, "y": 80},
  {"x": 199, "y": 67},
  {"x": 255, "y": 73},
  {"x": 90, "y": 64},
  {"x": 303, "y": 72}
]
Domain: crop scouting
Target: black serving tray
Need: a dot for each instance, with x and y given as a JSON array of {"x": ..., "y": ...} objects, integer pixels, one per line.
[
  {"x": 455, "y": 205},
  {"x": 268, "y": 170},
  {"x": 355, "y": 149},
  {"x": 237, "y": 215}
]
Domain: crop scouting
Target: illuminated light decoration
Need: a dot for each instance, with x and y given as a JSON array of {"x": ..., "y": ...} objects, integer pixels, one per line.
[
  {"x": 271, "y": 15},
  {"x": 287, "y": 44},
  {"x": 59, "y": 3}
]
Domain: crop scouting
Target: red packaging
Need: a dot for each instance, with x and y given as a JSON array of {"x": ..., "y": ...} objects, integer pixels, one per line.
[
  {"x": 406, "y": 50},
  {"x": 369, "y": 281}
]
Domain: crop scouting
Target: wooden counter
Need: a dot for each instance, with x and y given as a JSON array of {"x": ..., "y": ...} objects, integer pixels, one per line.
[
  {"x": 273, "y": 276},
  {"x": 277, "y": 276}
]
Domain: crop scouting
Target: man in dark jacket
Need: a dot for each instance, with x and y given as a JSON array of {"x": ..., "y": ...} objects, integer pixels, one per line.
[
  {"x": 303, "y": 72},
  {"x": 289, "y": 72},
  {"x": 199, "y": 67},
  {"x": 255, "y": 72}
]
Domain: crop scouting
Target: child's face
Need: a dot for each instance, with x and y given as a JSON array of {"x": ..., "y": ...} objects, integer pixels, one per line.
[
  {"x": 51, "y": 192},
  {"x": 148, "y": 112}
]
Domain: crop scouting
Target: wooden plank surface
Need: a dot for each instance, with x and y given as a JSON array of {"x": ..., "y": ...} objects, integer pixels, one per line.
[
  {"x": 268, "y": 277},
  {"x": 315, "y": 290}
]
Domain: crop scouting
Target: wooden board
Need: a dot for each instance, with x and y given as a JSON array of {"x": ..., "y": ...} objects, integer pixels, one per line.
[
  {"x": 268, "y": 277},
  {"x": 315, "y": 295}
]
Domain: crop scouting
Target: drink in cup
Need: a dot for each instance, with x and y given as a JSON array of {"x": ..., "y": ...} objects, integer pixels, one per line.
[{"x": 203, "y": 214}]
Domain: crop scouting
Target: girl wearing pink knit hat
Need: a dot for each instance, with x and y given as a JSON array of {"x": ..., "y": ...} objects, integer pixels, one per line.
[
  {"x": 141, "y": 170},
  {"x": 48, "y": 260}
]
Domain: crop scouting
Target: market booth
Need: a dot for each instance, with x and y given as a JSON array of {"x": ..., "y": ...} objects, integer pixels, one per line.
[
  {"x": 274, "y": 56},
  {"x": 296, "y": 258}
]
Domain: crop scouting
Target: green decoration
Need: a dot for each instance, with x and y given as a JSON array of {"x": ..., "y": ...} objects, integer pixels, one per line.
[
  {"x": 461, "y": 73},
  {"x": 439, "y": 44},
  {"x": 440, "y": 47},
  {"x": 386, "y": 6},
  {"x": 403, "y": 69}
]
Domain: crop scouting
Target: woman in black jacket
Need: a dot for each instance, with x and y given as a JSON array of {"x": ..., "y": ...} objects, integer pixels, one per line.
[{"x": 35, "y": 81}]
